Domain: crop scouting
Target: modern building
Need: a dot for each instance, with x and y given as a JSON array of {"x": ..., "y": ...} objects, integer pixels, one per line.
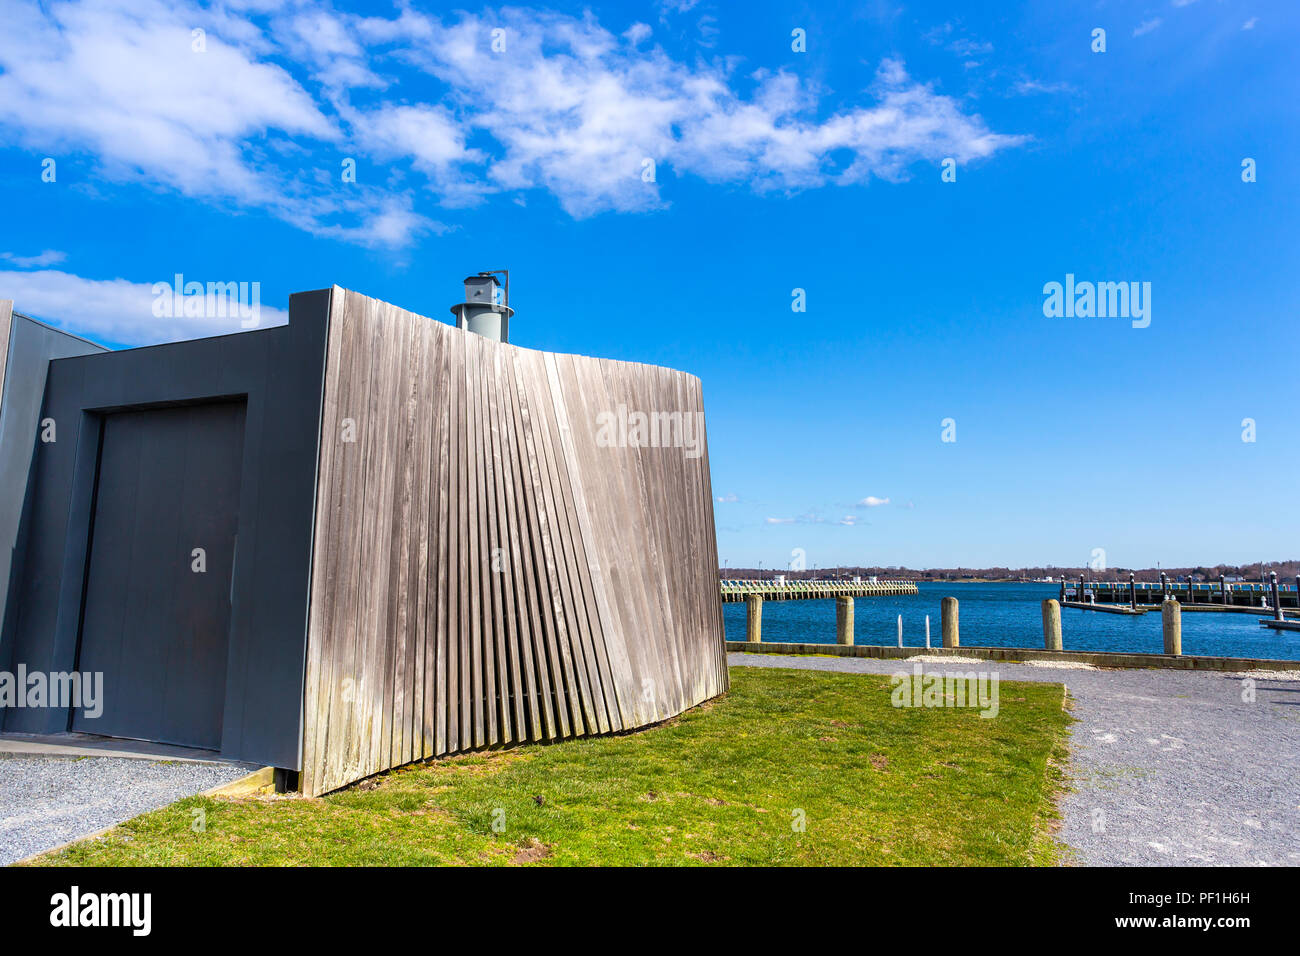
[{"x": 357, "y": 540}]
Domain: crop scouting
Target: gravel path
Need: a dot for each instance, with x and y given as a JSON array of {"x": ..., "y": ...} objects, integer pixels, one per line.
[
  {"x": 46, "y": 801},
  {"x": 1167, "y": 767}
]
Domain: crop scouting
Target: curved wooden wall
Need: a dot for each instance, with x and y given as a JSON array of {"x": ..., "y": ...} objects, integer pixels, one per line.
[{"x": 485, "y": 572}]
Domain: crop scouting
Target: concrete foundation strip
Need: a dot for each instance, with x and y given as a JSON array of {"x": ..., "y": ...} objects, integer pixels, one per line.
[{"x": 1012, "y": 655}]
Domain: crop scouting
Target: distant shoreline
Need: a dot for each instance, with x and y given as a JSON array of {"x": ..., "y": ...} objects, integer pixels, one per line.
[{"x": 1286, "y": 571}]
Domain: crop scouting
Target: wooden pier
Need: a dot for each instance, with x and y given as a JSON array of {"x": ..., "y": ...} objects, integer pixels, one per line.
[
  {"x": 1282, "y": 625},
  {"x": 735, "y": 591},
  {"x": 1241, "y": 597},
  {"x": 1107, "y": 608}
]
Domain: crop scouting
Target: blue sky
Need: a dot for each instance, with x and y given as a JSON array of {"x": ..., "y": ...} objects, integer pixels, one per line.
[{"x": 774, "y": 170}]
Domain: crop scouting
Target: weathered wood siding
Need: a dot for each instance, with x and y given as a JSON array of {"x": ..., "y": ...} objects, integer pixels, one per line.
[
  {"x": 484, "y": 571},
  {"x": 6, "y": 326}
]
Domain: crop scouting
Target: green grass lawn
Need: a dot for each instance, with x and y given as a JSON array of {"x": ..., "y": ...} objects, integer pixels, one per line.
[{"x": 726, "y": 783}]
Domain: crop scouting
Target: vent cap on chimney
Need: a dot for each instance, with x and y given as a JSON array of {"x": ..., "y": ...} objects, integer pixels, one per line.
[{"x": 481, "y": 313}]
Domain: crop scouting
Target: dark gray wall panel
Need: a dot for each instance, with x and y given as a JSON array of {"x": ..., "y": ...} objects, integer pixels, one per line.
[
  {"x": 155, "y": 625},
  {"x": 278, "y": 372},
  {"x": 26, "y": 347}
]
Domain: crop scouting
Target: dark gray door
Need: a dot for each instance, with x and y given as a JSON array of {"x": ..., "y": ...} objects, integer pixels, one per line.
[{"x": 153, "y": 625}]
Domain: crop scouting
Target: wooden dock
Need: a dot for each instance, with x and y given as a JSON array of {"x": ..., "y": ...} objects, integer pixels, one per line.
[
  {"x": 736, "y": 591},
  {"x": 1106, "y": 608},
  {"x": 1198, "y": 595},
  {"x": 1283, "y": 625}
]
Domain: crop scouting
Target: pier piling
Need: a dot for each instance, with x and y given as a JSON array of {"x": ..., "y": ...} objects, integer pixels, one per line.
[
  {"x": 1052, "y": 625},
  {"x": 948, "y": 622},
  {"x": 754, "y": 618},
  {"x": 1277, "y": 604},
  {"x": 1172, "y": 619},
  {"x": 1132, "y": 592},
  {"x": 844, "y": 620}
]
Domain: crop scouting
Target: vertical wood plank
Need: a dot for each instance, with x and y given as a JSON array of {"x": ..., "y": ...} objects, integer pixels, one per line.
[
  {"x": 6, "y": 327},
  {"x": 484, "y": 571}
]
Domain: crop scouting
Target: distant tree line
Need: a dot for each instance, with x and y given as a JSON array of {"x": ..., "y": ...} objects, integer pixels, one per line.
[{"x": 1286, "y": 572}]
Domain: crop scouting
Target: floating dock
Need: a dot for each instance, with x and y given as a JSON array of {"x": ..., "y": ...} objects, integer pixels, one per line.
[
  {"x": 1283, "y": 625},
  {"x": 1106, "y": 608}
]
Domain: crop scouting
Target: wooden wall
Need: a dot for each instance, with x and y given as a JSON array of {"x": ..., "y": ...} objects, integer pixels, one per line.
[
  {"x": 6, "y": 325},
  {"x": 485, "y": 573}
]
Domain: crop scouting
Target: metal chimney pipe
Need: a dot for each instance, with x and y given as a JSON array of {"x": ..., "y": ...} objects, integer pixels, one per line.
[{"x": 480, "y": 313}]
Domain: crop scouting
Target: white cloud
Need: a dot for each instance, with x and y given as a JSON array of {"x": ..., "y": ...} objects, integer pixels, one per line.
[
  {"x": 871, "y": 501},
  {"x": 965, "y": 47},
  {"x": 383, "y": 222},
  {"x": 325, "y": 35},
  {"x": 1250, "y": 24},
  {"x": 576, "y": 111},
  {"x": 1031, "y": 87},
  {"x": 326, "y": 41},
  {"x": 112, "y": 310},
  {"x": 1146, "y": 26},
  {"x": 428, "y": 135},
  {"x": 849, "y": 521},
  {"x": 637, "y": 32},
  {"x": 962, "y": 46},
  {"x": 809, "y": 518},
  {"x": 569, "y": 108},
  {"x": 676, "y": 6},
  {"x": 123, "y": 81},
  {"x": 727, "y": 499},
  {"x": 47, "y": 258}
]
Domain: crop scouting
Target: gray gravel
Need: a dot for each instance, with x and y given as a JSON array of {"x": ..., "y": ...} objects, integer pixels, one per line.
[
  {"x": 1167, "y": 767},
  {"x": 46, "y": 801}
]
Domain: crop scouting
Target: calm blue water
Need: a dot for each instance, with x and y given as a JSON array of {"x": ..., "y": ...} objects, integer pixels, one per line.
[{"x": 1010, "y": 615}]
